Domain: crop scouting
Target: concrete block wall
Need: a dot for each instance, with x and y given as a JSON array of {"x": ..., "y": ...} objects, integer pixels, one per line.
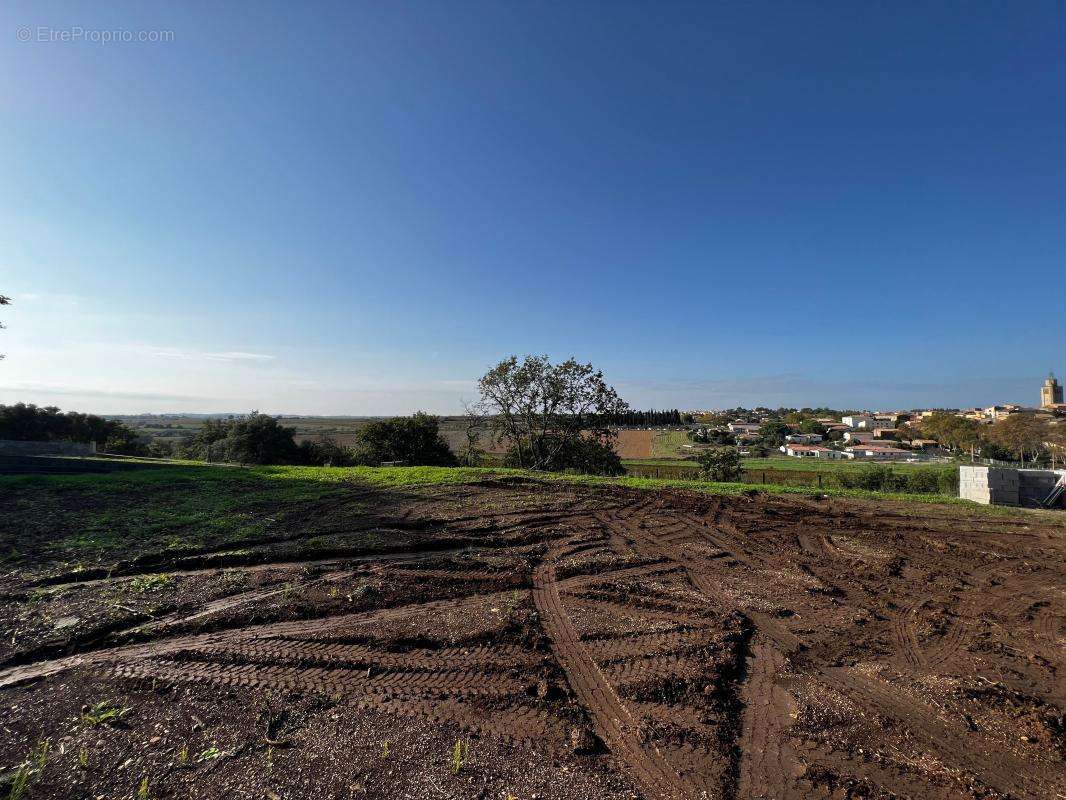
[
  {"x": 1006, "y": 486},
  {"x": 989, "y": 485},
  {"x": 1036, "y": 484}
]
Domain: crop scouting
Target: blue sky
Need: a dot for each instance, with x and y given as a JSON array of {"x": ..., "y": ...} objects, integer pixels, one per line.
[{"x": 358, "y": 207}]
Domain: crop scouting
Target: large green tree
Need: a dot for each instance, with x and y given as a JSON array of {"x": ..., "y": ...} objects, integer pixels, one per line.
[
  {"x": 952, "y": 431},
  {"x": 773, "y": 433},
  {"x": 1024, "y": 435},
  {"x": 552, "y": 416},
  {"x": 252, "y": 439},
  {"x": 414, "y": 440}
]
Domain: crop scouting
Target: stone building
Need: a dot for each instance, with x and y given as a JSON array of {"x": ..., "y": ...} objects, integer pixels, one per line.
[{"x": 1051, "y": 392}]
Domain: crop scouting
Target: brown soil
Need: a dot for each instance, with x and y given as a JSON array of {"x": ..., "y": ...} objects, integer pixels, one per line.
[{"x": 567, "y": 642}]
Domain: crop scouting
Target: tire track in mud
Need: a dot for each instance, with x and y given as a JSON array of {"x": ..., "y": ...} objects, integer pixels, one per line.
[
  {"x": 997, "y": 768},
  {"x": 765, "y": 765},
  {"x": 335, "y": 681},
  {"x": 644, "y": 627},
  {"x": 613, "y": 721},
  {"x": 761, "y": 776},
  {"x": 311, "y": 629},
  {"x": 978, "y": 601}
]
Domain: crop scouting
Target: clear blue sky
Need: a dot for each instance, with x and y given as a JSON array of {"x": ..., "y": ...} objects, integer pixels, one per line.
[{"x": 358, "y": 207}]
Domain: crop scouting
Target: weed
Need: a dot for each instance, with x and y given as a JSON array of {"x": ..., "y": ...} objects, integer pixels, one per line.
[
  {"x": 385, "y": 750},
  {"x": 183, "y": 754},
  {"x": 83, "y": 758},
  {"x": 30, "y": 768},
  {"x": 42, "y": 753},
  {"x": 210, "y": 754},
  {"x": 142, "y": 790},
  {"x": 365, "y": 591},
  {"x": 149, "y": 583},
  {"x": 103, "y": 713},
  {"x": 20, "y": 782},
  {"x": 460, "y": 755}
]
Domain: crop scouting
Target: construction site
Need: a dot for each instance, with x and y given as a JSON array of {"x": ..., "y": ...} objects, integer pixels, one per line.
[{"x": 509, "y": 638}]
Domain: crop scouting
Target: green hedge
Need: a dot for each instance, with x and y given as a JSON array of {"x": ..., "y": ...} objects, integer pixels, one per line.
[{"x": 879, "y": 478}]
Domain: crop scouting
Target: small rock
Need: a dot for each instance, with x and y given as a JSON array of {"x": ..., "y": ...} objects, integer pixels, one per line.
[{"x": 582, "y": 740}]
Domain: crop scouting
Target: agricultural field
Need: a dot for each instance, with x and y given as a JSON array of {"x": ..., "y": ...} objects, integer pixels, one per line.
[
  {"x": 630, "y": 444},
  {"x": 219, "y": 632}
]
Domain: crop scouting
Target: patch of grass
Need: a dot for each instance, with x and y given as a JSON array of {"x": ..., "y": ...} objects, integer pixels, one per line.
[
  {"x": 106, "y": 712},
  {"x": 149, "y": 583},
  {"x": 29, "y": 769},
  {"x": 667, "y": 444},
  {"x": 825, "y": 466}
]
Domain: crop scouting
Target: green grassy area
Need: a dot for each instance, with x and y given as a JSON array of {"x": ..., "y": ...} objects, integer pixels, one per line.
[
  {"x": 826, "y": 466},
  {"x": 96, "y": 517},
  {"x": 668, "y": 444}
]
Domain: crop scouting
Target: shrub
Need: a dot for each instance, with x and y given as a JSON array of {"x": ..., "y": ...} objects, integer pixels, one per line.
[
  {"x": 586, "y": 455},
  {"x": 253, "y": 439},
  {"x": 326, "y": 453},
  {"x": 414, "y": 440},
  {"x": 720, "y": 464},
  {"x": 880, "y": 478}
]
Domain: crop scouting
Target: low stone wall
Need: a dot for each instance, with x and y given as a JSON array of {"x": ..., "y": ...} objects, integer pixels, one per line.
[{"x": 9, "y": 447}]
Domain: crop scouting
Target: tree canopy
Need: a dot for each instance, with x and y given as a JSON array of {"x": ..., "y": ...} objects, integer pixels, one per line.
[
  {"x": 29, "y": 423},
  {"x": 552, "y": 416},
  {"x": 414, "y": 440}
]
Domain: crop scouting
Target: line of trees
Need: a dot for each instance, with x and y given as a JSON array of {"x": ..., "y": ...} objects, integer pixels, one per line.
[
  {"x": 652, "y": 417},
  {"x": 556, "y": 417},
  {"x": 262, "y": 439},
  {"x": 28, "y": 423},
  {"x": 1018, "y": 437}
]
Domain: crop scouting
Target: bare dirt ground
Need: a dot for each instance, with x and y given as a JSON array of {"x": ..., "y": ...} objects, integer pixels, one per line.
[{"x": 512, "y": 639}]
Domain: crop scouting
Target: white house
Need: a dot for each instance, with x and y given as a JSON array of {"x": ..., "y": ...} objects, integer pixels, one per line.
[
  {"x": 876, "y": 452},
  {"x": 857, "y": 420},
  {"x": 810, "y": 451},
  {"x": 867, "y": 422},
  {"x": 804, "y": 438}
]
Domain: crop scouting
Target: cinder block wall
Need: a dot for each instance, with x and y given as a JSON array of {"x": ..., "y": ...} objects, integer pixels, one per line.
[
  {"x": 1036, "y": 484},
  {"x": 989, "y": 485},
  {"x": 1006, "y": 486}
]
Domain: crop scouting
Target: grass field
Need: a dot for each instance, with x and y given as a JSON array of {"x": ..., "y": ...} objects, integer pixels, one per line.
[
  {"x": 818, "y": 465},
  {"x": 789, "y": 464}
]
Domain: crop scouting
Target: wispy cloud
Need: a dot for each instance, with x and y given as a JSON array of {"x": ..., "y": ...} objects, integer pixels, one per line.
[
  {"x": 67, "y": 390},
  {"x": 192, "y": 355},
  {"x": 238, "y": 356}
]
